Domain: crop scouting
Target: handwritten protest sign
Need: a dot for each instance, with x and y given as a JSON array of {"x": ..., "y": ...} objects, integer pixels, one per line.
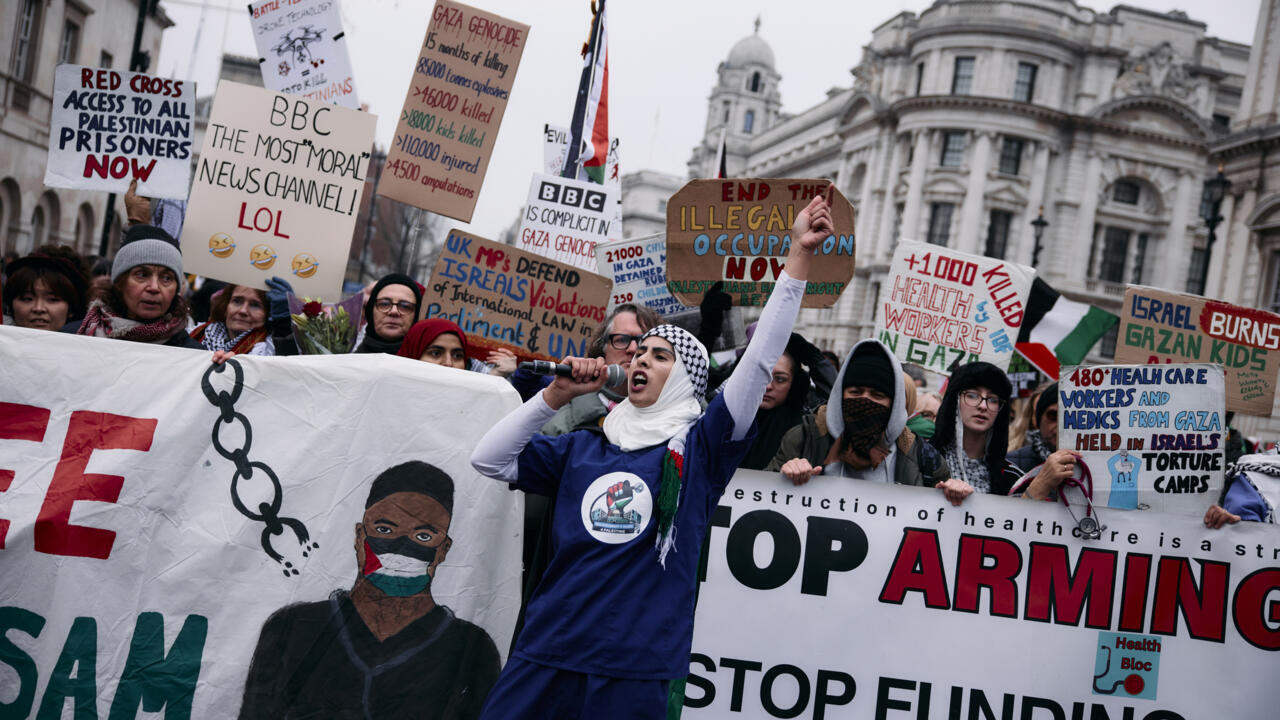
[
  {"x": 109, "y": 127},
  {"x": 277, "y": 190},
  {"x": 1161, "y": 326},
  {"x": 1152, "y": 436},
  {"x": 739, "y": 232},
  {"x": 302, "y": 50},
  {"x": 940, "y": 306},
  {"x": 638, "y": 267},
  {"x": 505, "y": 297},
  {"x": 148, "y": 568},
  {"x": 449, "y": 124},
  {"x": 565, "y": 220},
  {"x": 994, "y": 609}
]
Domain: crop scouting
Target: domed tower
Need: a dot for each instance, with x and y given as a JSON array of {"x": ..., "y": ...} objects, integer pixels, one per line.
[{"x": 745, "y": 102}]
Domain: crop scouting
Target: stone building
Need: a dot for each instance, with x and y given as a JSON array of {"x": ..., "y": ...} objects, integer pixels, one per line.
[
  {"x": 41, "y": 34},
  {"x": 961, "y": 122}
]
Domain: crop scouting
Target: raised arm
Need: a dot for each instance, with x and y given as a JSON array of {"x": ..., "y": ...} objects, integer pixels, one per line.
[{"x": 745, "y": 388}]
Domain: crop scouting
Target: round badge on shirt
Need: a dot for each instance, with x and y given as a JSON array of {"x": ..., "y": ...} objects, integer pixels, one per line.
[{"x": 616, "y": 507}]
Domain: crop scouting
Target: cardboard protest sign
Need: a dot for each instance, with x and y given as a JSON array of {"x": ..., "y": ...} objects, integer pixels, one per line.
[
  {"x": 109, "y": 127},
  {"x": 302, "y": 50},
  {"x": 993, "y": 609},
  {"x": 1161, "y": 326},
  {"x": 739, "y": 231},
  {"x": 257, "y": 567},
  {"x": 565, "y": 219},
  {"x": 638, "y": 267},
  {"x": 277, "y": 191},
  {"x": 1151, "y": 436},
  {"x": 505, "y": 297},
  {"x": 449, "y": 124},
  {"x": 940, "y": 307}
]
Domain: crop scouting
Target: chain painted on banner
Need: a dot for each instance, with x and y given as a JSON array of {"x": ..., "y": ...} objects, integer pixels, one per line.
[{"x": 267, "y": 513}]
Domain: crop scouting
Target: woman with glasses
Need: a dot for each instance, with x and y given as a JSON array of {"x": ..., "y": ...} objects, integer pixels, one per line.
[
  {"x": 972, "y": 427},
  {"x": 390, "y": 312}
]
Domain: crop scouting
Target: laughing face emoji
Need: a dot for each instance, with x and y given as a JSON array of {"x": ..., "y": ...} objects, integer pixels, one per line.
[
  {"x": 262, "y": 257},
  {"x": 221, "y": 245},
  {"x": 304, "y": 265}
]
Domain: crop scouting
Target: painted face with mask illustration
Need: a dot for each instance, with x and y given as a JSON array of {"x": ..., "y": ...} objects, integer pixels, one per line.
[{"x": 401, "y": 540}]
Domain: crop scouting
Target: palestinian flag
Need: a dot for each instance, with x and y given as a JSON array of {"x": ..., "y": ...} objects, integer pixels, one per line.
[
  {"x": 1056, "y": 331},
  {"x": 595, "y": 125}
]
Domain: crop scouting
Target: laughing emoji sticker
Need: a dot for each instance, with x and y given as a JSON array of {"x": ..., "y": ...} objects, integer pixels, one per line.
[
  {"x": 304, "y": 265},
  {"x": 262, "y": 257},
  {"x": 221, "y": 245}
]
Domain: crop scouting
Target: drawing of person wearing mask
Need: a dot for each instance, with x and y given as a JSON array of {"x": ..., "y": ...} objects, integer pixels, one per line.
[{"x": 1124, "y": 481}]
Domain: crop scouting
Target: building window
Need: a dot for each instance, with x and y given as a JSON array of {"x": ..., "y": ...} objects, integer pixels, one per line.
[
  {"x": 106, "y": 60},
  {"x": 1011, "y": 156},
  {"x": 38, "y": 229},
  {"x": 1125, "y": 191},
  {"x": 1195, "y": 270},
  {"x": 1115, "y": 250},
  {"x": 1107, "y": 348},
  {"x": 940, "y": 223},
  {"x": 748, "y": 121},
  {"x": 875, "y": 300},
  {"x": 1273, "y": 296},
  {"x": 1221, "y": 124},
  {"x": 897, "y": 221},
  {"x": 919, "y": 77},
  {"x": 998, "y": 234},
  {"x": 69, "y": 49},
  {"x": 952, "y": 149},
  {"x": 662, "y": 206},
  {"x": 754, "y": 86},
  {"x": 26, "y": 40},
  {"x": 962, "y": 80},
  {"x": 1139, "y": 260},
  {"x": 1024, "y": 87},
  {"x": 727, "y": 108}
]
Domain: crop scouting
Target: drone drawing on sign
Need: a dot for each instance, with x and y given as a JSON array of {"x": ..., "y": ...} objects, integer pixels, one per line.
[{"x": 298, "y": 41}]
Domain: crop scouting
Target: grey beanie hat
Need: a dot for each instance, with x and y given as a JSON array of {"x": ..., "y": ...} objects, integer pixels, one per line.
[{"x": 147, "y": 245}]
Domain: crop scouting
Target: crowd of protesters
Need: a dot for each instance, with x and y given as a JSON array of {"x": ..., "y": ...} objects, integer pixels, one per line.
[{"x": 680, "y": 421}]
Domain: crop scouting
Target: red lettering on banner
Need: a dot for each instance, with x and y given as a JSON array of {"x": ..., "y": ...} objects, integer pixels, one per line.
[
  {"x": 1251, "y": 611},
  {"x": 919, "y": 549},
  {"x": 972, "y": 574},
  {"x": 1053, "y": 589},
  {"x": 19, "y": 422},
  {"x": 1133, "y": 598},
  {"x": 1203, "y": 608},
  {"x": 87, "y": 431}
]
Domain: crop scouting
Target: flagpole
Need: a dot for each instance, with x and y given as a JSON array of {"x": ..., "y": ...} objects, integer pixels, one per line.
[{"x": 570, "y": 169}]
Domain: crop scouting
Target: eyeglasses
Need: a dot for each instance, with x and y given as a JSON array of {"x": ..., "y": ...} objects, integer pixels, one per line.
[
  {"x": 622, "y": 341},
  {"x": 385, "y": 305},
  {"x": 973, "y": 399}
]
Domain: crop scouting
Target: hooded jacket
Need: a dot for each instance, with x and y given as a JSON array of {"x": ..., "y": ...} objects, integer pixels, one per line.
[
  {"x": 910, "y": 462},
  {"x": 968, "y": 377}
]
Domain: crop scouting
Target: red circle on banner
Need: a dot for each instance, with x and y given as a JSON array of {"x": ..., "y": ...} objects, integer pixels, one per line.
[{"x": 1133, "y": 684}]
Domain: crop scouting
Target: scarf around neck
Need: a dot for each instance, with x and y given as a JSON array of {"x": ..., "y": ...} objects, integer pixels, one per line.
[
  {"x": 101, "y": 321},
  {"x": 214, "y": 336}
]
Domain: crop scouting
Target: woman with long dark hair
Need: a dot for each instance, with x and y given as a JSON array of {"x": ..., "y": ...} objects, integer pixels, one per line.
[{"x": 973, "y": 426}]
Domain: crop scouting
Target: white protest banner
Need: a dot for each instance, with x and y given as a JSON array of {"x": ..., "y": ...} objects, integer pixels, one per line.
[
  {"x": 638, "y": 267},
  {"x": 855, "y": 599},
  {"x": 191, "y": 541},
  {"x": 565, "y": 220},
  {"x": 109, "y": 127},
  {"x": 279, "y": 179},
  {"x": 555, "y": 151},
  {"x": 940, "y": 307},
  {"x": 302, "y": 50},
  {"x": 1151, "y": 436},
  {"x": 454, "y": 105}
]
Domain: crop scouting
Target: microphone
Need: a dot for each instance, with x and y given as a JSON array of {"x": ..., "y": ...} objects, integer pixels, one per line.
[{"x": 614, "y": 373}]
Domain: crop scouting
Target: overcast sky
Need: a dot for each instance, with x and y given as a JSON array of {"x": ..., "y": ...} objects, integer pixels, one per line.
[{"x": 662, "y": 63}]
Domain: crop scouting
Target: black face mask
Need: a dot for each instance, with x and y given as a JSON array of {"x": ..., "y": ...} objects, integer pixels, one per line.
[
  {"x": 865, "y": 421},
  {"x": 402, "y": 545}
]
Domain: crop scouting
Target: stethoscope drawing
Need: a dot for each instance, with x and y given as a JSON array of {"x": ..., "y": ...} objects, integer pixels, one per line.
[{"x": 1106, "y": 669}]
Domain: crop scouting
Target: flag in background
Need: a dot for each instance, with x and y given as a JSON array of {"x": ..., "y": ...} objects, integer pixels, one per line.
[
  {"x": 1056, "y": 331},
  {"x": 588, "y": 154}
]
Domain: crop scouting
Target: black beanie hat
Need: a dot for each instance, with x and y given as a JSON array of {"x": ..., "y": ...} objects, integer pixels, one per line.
[
  {"x": 392, "y": 279},
  {"x": 414, "y": 476},
  {"x": 1047, "y": 399},
  {"x": 868, "y": 367}
]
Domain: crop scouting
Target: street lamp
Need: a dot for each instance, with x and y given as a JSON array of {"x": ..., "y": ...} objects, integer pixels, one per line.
[
  {"x": 1215, "y": 188},
  {"x": 1039, "y": 224}
]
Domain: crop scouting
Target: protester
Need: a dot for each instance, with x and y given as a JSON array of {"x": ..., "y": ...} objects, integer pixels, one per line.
[
  {"x": 647, "y": 485},
  {"x": 1251, "y": 492},
  {"x": 916, "y": 373},
  {"x": 861, "y": 432},
  {"x": 46, "y": 289},
  {"x": 923, "y": 422},
  {"x": 392, "y": 308},
  {"x": 973, "y": 426},
  {"x": 782, "y": 407},
  {"x": 1042, "y": 451},
  {"x": 237, "y": 322},
  {"x": 143, "y": 303},
  {"x": 441, "y": 342}
]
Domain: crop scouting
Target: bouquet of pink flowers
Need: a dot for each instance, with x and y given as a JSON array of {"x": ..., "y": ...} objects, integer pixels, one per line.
[{"x": 325, "y": 329}]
